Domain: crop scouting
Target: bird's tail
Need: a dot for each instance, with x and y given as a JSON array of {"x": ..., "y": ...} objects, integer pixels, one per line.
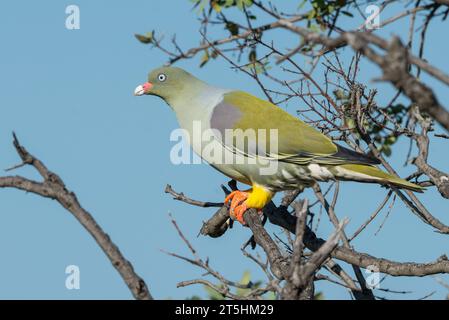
[{"x": 369, "y": 173}]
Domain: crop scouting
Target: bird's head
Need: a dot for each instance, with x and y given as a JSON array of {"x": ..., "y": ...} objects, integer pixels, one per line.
[{"x": 168, "y": 83}]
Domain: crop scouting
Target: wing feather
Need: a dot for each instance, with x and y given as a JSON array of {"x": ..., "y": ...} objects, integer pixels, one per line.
[{"x": 296, "y": 141}]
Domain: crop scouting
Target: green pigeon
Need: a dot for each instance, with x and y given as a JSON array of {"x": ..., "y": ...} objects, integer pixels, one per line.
[{"x": 257, "y": 143}]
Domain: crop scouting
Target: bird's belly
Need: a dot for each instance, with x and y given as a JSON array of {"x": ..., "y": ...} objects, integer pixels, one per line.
[
  {"x": 293, "y": 176},
  {"x": 222, "y": 159},
  {"x": 284, "y": 177},
  {"x": 276, "y": 175}
]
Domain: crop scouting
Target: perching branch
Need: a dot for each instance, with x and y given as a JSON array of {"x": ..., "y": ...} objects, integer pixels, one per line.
[{"x": 281, "y": 217}]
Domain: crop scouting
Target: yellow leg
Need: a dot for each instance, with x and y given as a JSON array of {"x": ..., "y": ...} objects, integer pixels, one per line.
[{"x": 256, "y": 198}]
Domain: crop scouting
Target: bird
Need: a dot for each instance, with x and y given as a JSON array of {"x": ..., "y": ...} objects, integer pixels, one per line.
[{"x": 293, "y": 155}]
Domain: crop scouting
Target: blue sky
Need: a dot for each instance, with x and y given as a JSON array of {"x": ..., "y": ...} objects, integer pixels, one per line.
[{"x": 68, "y": 96}]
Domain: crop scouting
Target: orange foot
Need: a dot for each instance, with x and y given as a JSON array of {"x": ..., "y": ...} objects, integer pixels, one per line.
[{"x": 238, "y": 205}]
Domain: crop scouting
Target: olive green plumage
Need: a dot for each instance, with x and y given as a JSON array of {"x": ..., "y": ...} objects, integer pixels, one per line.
[
  {"x": 296, "y": 135},
  {"x": 304, "y": 154},
  {"x": 385, "y": 177}
]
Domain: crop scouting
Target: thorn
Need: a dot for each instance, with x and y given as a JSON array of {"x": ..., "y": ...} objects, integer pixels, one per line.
[{"x": 17, "y": 166}]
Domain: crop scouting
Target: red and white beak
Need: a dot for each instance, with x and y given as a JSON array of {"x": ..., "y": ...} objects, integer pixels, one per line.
[{"x": 143, "y": 89}]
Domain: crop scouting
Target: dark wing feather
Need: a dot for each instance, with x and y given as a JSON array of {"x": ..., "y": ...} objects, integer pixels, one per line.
[{"x": 345, "y": 155}]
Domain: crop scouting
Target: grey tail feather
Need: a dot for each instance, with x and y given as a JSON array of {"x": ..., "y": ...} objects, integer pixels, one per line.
[{"x": 353, "y": 156}]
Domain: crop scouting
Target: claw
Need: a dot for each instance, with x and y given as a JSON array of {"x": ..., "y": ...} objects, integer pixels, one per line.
[{"x": 238, "y": 206}]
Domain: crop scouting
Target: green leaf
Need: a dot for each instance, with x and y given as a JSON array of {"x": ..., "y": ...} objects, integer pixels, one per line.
[
  {"x": 386, "y": 150},
  {"x": 147, "y": 38},
  {"x": 318, "y": 296},
  {"x": 301, "y": 4},
  {"x": 248, "y": 3},
  {"x": 312, "y": 14},
  {"x": 350, "y": 123},
  {"x": 204, "y": 58},
  {"x": 314, "y": 28},
  {"x": 339, "y": 94},
  {"x": 243, "y": 3},
  {"x": 200, "y": 4},
  {"x": 213, "y": 294},
  {"x": 232, "y": 28},
  {"x": 390, "y": 140},
  {"x": 252, "y": 57},
  {"x": 216, "y": 6},
  {"x": 270, "y": 296},
  {"x": 376, "y": 129},
  {"x": 246, "y": 279}
]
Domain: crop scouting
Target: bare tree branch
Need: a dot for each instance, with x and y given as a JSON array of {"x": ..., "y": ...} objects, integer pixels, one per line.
[
  {"x": 280, "y": 217},
  {"x": 54, "y": 188},
  {"x": 439, "y": 178}
]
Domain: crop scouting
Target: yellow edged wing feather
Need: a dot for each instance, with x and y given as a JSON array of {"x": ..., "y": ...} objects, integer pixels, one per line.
[
  {"x": 297, "y": 142},
  {"x": 294, "y": 136}
]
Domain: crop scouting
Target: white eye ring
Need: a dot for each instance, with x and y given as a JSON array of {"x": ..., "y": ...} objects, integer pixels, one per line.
[{"x": 161, "y": 77}]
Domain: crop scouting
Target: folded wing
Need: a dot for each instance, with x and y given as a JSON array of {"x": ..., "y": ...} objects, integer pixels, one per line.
[{"x": 260, "y": 128}]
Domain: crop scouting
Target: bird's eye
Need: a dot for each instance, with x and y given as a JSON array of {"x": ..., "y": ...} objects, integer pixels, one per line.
[{"x": 161, "y": 77}]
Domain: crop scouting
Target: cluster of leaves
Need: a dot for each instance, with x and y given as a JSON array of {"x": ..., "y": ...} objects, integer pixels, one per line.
[
  {"x": 218, "y": 5},
  {"x": 374, "y": 126},
  {"x": 321, "y": 15},
  {"x": 146, "y": 38},
  {"x": 385, "y": 138},
  {"x": 207, "y": 56},
  {"x": 323, "y": 9},
  {"x": 212, "y": 294}
]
